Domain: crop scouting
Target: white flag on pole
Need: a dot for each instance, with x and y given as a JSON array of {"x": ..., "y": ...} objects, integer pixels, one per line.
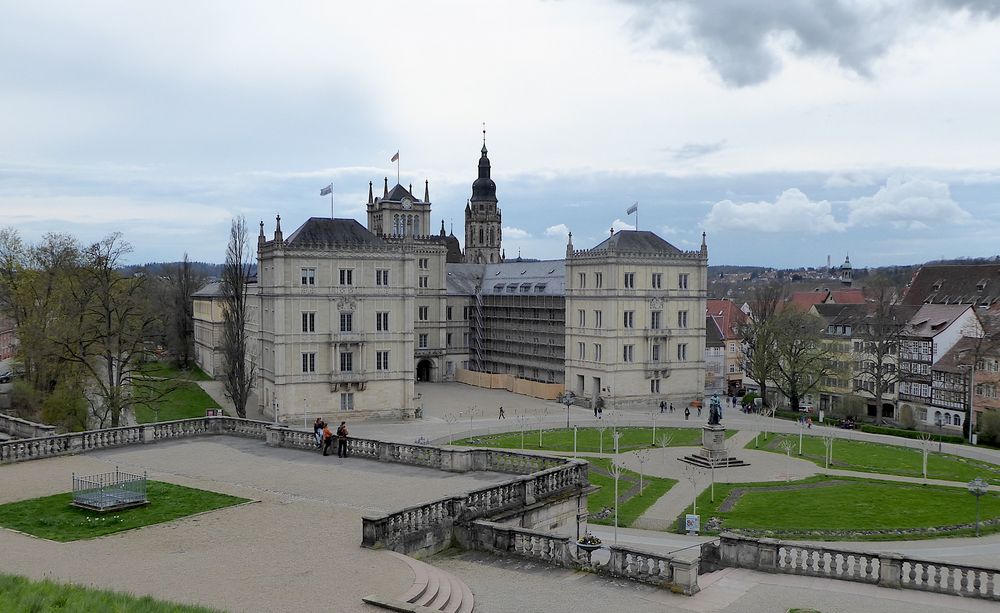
[
  {"x": 632, "y": 209},
  {"x": 326, "y": 191}
]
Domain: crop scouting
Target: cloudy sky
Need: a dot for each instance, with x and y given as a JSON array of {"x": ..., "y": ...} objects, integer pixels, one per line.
[{"x": 788, "y": 131}]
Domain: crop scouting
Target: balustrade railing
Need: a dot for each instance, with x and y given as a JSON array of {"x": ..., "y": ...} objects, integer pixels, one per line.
[{"x": 945, "y": 578}]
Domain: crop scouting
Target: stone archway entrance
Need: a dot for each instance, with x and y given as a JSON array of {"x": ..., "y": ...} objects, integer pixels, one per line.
[{"x": 424, "y": 369}]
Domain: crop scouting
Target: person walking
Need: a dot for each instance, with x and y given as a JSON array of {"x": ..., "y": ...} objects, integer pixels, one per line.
[
  {"x": 502, "y": 416},
  {"x": 318, "y": 426},
  {"x": 699, "y": 410},
  {"x": 687, "y": 412},
  {"x": 342, "y": 440},
  {"x": 327, "y": 438},
  {"x": 671, "y": 407},
  {"x": 663, "y": 405}
]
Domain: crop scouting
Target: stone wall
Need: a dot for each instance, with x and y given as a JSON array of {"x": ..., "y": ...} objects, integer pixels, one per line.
[{"x": 22, "y": 428}]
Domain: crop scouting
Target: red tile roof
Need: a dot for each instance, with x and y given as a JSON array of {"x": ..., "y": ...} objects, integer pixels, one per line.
[{"x": 728, "y": 317}]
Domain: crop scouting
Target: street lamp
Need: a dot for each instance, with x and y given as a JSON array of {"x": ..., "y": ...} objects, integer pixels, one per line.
[
  {"x": 567, "y": 398},
  {"x": 977, "y": 487}
]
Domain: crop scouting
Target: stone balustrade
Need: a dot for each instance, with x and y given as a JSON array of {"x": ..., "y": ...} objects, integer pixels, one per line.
[
  {"x": 22, "y": 428},
  {"x": 884, "y": 569}
]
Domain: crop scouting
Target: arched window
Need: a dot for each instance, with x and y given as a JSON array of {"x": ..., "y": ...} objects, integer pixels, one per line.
[
  {"x": 947, "y": 419},
  {"x": 395, "y": 225},
  {"x": 937, "y": 418}
]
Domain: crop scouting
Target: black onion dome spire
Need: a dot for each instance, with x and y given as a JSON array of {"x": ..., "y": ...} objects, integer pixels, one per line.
[{"x": 484, "y": 188}]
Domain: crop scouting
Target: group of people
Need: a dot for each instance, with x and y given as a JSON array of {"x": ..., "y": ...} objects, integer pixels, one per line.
[{"x": 324, "y": 437}]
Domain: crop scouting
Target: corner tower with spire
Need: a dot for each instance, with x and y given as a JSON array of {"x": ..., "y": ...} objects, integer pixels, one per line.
[{"x": 482, "y": 217}]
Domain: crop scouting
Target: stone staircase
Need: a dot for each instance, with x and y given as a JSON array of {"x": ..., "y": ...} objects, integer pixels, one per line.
[{"x": 433, "y": 590}]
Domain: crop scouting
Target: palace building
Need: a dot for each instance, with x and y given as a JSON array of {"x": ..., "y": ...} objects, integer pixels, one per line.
[{"x": 351, "y": 318}]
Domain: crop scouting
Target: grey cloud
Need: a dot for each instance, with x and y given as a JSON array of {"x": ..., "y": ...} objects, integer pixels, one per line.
[
  {"x": 689, "y": 151},
  {"x": 737, "y": 37}
]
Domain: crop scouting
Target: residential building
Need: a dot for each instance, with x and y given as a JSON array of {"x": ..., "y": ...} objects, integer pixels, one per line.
[
  {"x": 729, "y": 318},
  {"x": 715, "y": 358}
]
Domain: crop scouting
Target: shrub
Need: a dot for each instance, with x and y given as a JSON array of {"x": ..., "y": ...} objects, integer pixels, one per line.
[
  {"x": 989, "y": 428},
  {"x": 906, "y": 417},
  {"x": 944, "y": 438}
]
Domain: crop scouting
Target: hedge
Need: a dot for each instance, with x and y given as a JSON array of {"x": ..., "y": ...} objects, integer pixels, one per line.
[{"x": 942, "y": 438}]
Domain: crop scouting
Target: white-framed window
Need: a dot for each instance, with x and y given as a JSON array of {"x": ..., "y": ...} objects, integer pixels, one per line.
[
  {"x": 382, "y": 321},
  {"x": 598, "y": 280},
  {"x": 381, "y": 360},
  {"x": 581, "y": 318},
  {"x": 654, "y": 319},
  {"x": 682, "y": 352},
  {"x": 682, "y": 281},
  {"x": 654, "y": 386},
  {"x": 308, "y": 362},
  {"x": 598, "y": 319},
  {"x": 308, "y": 322},
  {"x": 423, "y": 281},
  {"x": 347, "y": 401},
  {"x": 656, "y": 282},
  {"x": 422, "y": 313},
  {"x": 382, "y": 277},
  {"x": 682, "y": 319},
  {"x": 347, "y": 322},
  {"x": 347, "y": 276},
  {"x": 423, "y": 263},
  {"x": 581, "y": 351},
  {"x": 422, "y": 341},
  {"x": 628, "y": 353},
  {"x": 597, "y": 352},
  {"x": 628, "y": 319},
  {"x": 583, "y": 279},
  {"x": 346, "y": 361},
  {"x": 630, "y": 280},
  {"x": 308, "y": 276},
  {"x": 655, "y": 352}
]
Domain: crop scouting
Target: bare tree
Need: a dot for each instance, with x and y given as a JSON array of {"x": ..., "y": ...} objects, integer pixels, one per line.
[
  {"x": 239, "y": 363},
  {"x": 759, "y": 360},
  {"x": 880, "y": 332},
  {"x": 183, "y": 281},
  {"x": 802, "y": 358}
]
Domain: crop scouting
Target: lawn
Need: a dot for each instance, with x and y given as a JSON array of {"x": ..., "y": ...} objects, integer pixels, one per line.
[
  {"x": 848, "y": 509},
  {"x": 169, "y": 370},
  {"x": 178, "y": 399},
  {"x": 21, "y": 594},
  {"x": 53, "y": 518},
  {"x": 588, "y": 439},
  {"x": 628, "y": 511},
  {"x": 869, "y": 457}
]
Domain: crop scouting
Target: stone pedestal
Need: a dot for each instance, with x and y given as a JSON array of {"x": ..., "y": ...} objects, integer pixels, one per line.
[{"x": 713, "y": 449}]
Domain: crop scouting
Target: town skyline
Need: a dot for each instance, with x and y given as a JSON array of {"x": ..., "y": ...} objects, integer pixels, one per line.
[{"x": 813, "y": 143}]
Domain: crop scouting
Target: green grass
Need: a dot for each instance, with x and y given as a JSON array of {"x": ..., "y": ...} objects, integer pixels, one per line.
[
  {"x": 849, "y": 509},
  {"x": 588, "y": 439},
  {"x": 53, "y": 518},
  {"x": 628, "y": 512},
  {"x": 870, "y": 457},
  {"x": 21, "y": 594},
  {"x": 185, "y": 401},
  {"x": 169, "y": 370}
]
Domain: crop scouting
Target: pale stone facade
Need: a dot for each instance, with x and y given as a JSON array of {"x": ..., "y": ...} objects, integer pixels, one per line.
[
  {"x": 208, "y": 329},
  {"x": 635, "y": 320}
]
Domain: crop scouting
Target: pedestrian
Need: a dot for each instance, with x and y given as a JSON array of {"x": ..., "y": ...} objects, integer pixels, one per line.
[
  {"x": 671, "y": 407},
  {"x": 327, "y": 438},
  {"x": 595, "y": 409},
  {"x": 502, "y": 416},
  {"x": 663, "y": 405},
  {"x": 809, "y": 422},
  {"x": 687, "y": 412},
  {"x": 318, "y": 426},
  {"x": 342, "y": 440},
  {"x": 600, "y": 411},
  {"x": 699, "y": 410}
]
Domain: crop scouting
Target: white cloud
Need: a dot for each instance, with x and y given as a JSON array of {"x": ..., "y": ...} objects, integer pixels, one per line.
[
  {"x": 791, "y": 212},
  {"x": 109, "y": 210},
  {"x": 620, "y": 225},
  {"x": 557, "y": 230},
  {"x": 665, "y": 229},
  {"x": 849, "y": 179},
  {"x": 515, "y": 233},
  {"x": 914, "y": 204}
]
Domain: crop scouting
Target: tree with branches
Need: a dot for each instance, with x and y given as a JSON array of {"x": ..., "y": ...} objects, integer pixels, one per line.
[
  {"x": 759, "y": 359},
  {"x": 802, "y": 359},
  {"x": 239, "y": 363},
  {"x": 879, "y": 329},
  {"x": 183, "y": 280}
]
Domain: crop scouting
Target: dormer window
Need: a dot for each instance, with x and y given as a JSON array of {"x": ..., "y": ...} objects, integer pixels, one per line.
[
  {"x": 937, "y": 285},
  {"x": 982, "y": 284}
]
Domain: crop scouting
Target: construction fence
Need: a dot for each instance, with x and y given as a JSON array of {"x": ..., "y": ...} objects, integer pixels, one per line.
[{"x": 535, "y": 389}]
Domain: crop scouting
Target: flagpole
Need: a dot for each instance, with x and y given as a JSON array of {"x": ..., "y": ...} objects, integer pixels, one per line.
[
  {"x": 331, "y": 201},
  {"x": 397, "y": 167}
]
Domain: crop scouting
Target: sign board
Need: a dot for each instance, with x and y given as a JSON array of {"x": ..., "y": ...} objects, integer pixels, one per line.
[
  {"x": 213, "y": 413},
  {"x": 692, "y": 523}
]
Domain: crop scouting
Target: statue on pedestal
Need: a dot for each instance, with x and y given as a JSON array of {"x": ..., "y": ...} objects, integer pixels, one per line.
[{"x": 715, "y": 411}]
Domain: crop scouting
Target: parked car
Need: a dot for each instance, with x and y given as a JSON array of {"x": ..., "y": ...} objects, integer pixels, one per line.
[{"x": 6, "y": 377}]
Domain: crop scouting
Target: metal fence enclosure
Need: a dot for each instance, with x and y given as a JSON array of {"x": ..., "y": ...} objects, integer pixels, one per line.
[{"x": 109, "y": 491}]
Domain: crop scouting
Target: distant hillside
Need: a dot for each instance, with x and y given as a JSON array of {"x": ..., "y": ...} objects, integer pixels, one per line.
[{"x": 159, "y": 269}]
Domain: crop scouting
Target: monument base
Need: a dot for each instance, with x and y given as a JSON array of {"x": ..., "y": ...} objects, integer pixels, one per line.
[{"x": 713, "y": 450}]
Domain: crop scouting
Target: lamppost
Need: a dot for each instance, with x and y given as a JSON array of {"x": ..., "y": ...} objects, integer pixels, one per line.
[
  {"x": 801, "y": 428},
  {"x": 574, "y": 444},
  {"x": 616, "y": 472},
  {"x": 977, "y": 487},
  {"x": 567, "y": 398},
  {"x": 652, "y": 416},
  {"x": 616, "y": 435}
]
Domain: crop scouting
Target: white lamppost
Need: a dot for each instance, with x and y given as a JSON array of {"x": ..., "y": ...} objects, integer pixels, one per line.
[
  {"x": 977, "y": 487},
  {"x": 574, "y": 440},
  {"x": 925, "y": 444},
  {"x": 616, "y": 472},
  {"x": 616, "y": 435},
  {"x": 652, "y": 417},
  {"x": 642, "y": 456},
  {"x": 801, "y": 428},
  {"x": 600, "y": 432}
]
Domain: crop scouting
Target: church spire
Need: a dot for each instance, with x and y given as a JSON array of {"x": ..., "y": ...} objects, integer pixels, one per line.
[
  {"x": 370, "y": 199},
  {"x": 427, "y": 193},
  {"x": 385, "y": 190}
]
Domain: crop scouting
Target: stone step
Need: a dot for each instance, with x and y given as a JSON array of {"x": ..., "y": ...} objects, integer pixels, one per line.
[
  {"x": 703, "y": 462},
  {"x": 434, "y": 589}
]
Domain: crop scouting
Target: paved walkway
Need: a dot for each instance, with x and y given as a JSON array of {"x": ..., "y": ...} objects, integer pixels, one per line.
[{"x": 296, "y": 549}]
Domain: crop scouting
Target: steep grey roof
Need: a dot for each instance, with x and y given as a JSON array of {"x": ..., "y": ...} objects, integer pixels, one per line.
[
  {"x": 212, "y": 289},
  {"x": 636, "y": 241},
  {"x": 464, "y": 278},
  {"x": 931, "y": 319},
  {"x": 713, "y": 336},
  {"x": 545, "y": 278},
  {"x": 326, "y": 232},
  {"x": 977, "y": 284},
  {"x": 399, "y": 192}
]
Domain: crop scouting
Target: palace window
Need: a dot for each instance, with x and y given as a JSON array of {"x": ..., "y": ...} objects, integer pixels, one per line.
[
  {"x": 630, "y": 280},
  {"x": 308, "y": 362},
  {"x": 346, "y": 361},
  {"x": 657, "y": 280},
  {"x": 381, "y": 360},
  {"x": 346, "y": 276},
  {"x": 682, "y": 281},
  {"x": 347, "y": 322},
  {"x": 309, "y": 322},
  {"x": 308, "y": 276},
  {"x": 382, "y": 321}
]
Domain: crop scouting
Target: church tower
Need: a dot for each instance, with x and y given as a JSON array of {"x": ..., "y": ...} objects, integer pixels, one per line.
[
  {"x": 847, "y": 273},
  {"x": 482, "y": 217}
]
